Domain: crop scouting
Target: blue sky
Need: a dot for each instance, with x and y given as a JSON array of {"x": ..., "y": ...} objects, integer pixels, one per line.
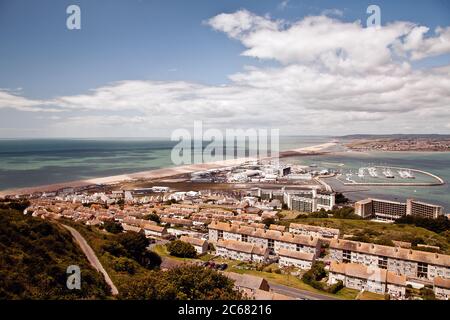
[{"x": 40, "y": 59}]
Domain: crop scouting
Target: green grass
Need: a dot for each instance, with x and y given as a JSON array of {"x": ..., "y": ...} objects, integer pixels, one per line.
[
  {"x": 378, "y": 232},
  {"x": 347, "y": 293},
  {"x": 96, "y": 239},
  {"x": 370, "y": 296}
]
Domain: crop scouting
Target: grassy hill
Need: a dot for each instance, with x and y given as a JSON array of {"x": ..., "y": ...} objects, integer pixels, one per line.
[{"x": 34, "y": 256}]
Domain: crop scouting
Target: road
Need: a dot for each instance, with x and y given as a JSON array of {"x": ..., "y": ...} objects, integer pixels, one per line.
[
  {"x": 90, "y": 254},
  {"x": 298, "y": 293}
]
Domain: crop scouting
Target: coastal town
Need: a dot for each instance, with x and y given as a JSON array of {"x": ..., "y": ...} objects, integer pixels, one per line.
[{"x": 247, "y": 217}]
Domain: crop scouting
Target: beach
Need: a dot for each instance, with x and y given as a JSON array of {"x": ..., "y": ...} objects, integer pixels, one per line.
[{"x": 160, "y": 173}]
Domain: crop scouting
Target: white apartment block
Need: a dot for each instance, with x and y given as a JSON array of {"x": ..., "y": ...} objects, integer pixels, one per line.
[
  {"x": 237, "y": 250},
  {"x": 300, "y": 200},
  {"x": 411, "y": 263},
  {"x": 441, "y": 288},
  {"x": 272, "y": 239},
  {"x": 367, "y": 278},
  {"x": 385, "y": 210},
  {"x": 298, "y": 259},
  {"x": 314, "y": 231}
]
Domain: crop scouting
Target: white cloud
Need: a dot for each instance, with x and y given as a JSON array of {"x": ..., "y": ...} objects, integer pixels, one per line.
[
  {"x": 333, "y": 12},
  {"x": 421, "y": 47},
  {"x": 333, "y": 77}
]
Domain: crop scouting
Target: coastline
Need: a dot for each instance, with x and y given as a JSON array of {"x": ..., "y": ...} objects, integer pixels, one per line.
[{"x": 160, "y": 173}]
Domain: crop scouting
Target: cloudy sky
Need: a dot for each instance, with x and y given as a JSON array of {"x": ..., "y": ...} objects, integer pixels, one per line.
[{"x": 145, "y": 68}]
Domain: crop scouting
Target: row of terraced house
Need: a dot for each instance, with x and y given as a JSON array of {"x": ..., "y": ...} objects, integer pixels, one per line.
[{"x": 355, "y": 263}]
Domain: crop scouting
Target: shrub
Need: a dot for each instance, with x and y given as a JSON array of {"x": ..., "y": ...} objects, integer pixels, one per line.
[
  {"x": 123, "y": 264},
  {"x": 153, "y": 217},
  {"x": 181, "y": 249},
  {"x": 113, "y": 227},
  {"x": 335, "y": 288}
]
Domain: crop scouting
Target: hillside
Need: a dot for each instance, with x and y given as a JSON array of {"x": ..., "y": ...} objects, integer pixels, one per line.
[{"x": 34, "y": 256}]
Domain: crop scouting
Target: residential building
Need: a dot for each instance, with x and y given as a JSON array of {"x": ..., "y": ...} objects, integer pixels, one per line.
[
  {"x": 359, "y": 277},
  {"x": 441, "y": 288},
  {"x": 152, "y": 230},
  {"x": 200, "y": 245},
  {"x": 237, "y": 250},
  {"x": 385, "y": 210},
  {"x": 272, "y": 239},
  {"x": 422, "y": 209},
  {"x": 411, "y": 263},
  {"x": 368, "y": 278},
  {"x": 298, "y": 259}
]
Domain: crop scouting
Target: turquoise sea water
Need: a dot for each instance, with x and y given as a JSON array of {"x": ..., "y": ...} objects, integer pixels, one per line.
[
  {"x": 25, "y": 163},
  {"x": 435, "y": 163}
]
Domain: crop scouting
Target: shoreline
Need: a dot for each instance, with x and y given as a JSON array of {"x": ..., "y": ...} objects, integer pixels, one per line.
[{"x": 160, "y": 173}]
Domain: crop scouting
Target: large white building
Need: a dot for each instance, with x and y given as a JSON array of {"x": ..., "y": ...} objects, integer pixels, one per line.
[
  {"x": 385, "y": 210},
  {"x": 300, "y": 200},
  {"x": 237, "y": 250},
  {"x": 298, "y": 259},
  {"x": 274, "y": 240},
  {"x": 368, "y": 278},
  {"x": 441, "y": 288},
  {"x": 411, "y": 263}
]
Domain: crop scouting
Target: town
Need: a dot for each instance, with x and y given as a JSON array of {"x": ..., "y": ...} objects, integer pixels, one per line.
[{"x": 250, "y": 225}]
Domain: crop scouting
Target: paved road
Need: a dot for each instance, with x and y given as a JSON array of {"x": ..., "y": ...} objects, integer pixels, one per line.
[
  {"x": 297, "y": 293},
  {"x": 90, "y": 254}
]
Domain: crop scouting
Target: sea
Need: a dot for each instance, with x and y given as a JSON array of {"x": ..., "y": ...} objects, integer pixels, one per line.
[{"x": 34, "y": 162}]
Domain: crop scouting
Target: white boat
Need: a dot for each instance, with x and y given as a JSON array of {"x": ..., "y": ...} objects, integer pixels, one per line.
[
  {"x": 361, "y": 172},
  {"x": 388, "y": 173},
  {"x": 373, "y": 172}
]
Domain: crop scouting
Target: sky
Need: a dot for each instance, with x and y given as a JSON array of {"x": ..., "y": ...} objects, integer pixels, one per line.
[{"x": 144, "y": 68}]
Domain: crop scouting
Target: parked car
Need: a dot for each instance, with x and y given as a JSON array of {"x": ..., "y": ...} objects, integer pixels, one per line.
[{"x": 222, "y": 266}]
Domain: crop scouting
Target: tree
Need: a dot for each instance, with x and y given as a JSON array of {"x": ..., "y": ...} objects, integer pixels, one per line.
[
  {"x": 135, "y": 245},
  {"x": 113, "y": 227},
  {"x": 340, "y": 198},
  {"x": 314, "y": 275},
  {"x": 182, "y": 283},
  {"x": 153, "y": 217},
  {"x": 124, "y": 264},
  {"x": 181, "y": 249},
  {"x": 268, "y": 221}
]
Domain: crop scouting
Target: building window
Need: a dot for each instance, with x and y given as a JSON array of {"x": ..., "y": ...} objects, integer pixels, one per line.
[
  {"x": 299, "y": 247},
  {"x": 347, "y": 256},
  {"x": 271, "y": 243},
  {"x": 382, "y": 262},
  {"x": 244, "y": 238},
  {"x": 422, "y": 270},
  {"x": 220, "y": 234}
]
